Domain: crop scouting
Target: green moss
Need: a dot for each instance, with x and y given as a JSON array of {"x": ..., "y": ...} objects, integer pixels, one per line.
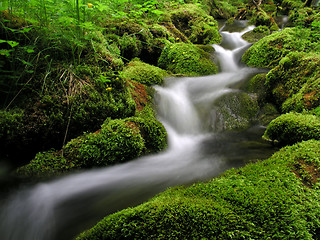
[
  {"x": 117, "y": 141},
  {"x": 223, "y": 9},
  {"x": 238, "y": 110},
  {"x": 271, "y": 49},
  {"x": 267, "y": 113},
  {"x": 144, "y": 73},
  {"x": 294, "y": 82},
  {"x": 256, "y": 34},
  {"x": 266, "y": 200},
  {"x": 153, "y": 133},
  {"x": 257, "y": 85},
  {"x": 10, "y": 123},
  {"x": 293, "y": 127},
  {"x": 262, "y": 18},
  {"x": 187, "y": 59},
  {"x": 45, "y": 164},
  {"x": 196, "y": 24}
]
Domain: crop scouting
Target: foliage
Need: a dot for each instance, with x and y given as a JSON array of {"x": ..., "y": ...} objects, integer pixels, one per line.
[
  {"x": 260, "y": 201},
  {"x": 293, "y": 127},
  {"x": 144, "y": 73},
  {"x": 187, "y": 59}
]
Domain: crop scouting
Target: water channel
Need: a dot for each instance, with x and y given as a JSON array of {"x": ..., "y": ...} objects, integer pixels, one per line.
[{"x": 198, "y": 149}]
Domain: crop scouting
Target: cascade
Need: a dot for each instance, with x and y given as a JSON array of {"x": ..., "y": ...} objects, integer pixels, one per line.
[{"x": 61, "y": 208}]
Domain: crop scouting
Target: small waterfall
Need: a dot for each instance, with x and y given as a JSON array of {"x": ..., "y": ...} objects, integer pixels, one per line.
[{"x": 62, "y": 208}]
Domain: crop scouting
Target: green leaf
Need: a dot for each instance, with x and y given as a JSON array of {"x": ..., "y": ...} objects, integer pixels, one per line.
[
  {"x": 11, "y": 43},
  {"x": 5, "y": 52}
]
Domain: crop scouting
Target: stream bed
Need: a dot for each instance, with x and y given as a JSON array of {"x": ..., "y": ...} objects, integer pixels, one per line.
[{"x": 198, "y": 149}]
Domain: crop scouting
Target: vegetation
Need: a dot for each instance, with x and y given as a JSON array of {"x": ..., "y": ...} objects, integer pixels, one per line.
[
  {"x": 76, "y": 83},
  {"x": 144, "y": 73},
  {"x": 186, "y": 59},
  {"x": 291, "y": 128},
  {"x": 117, "y": 141},
  {"x": 276, "y": 198}
]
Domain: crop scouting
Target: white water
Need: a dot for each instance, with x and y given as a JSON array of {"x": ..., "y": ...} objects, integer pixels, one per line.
[{"x": 60, "y": 209}]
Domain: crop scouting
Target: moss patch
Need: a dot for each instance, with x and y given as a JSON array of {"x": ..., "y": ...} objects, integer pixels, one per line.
[
  {"x": 271, "y": 49},
  {"x": 293, "y": 127},
  {"x": 294, "y": 83},
  {"x": 117, "y": 141},
  {"x": 186, "y": 59},
  {"x": 144, "y": 73},
  {"x": 260, "y": 201}
]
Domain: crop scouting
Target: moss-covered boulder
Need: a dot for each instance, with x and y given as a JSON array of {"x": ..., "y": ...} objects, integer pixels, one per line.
[
  {"x": 271, "y": 49},
  {"x": 293, "y": 127},
  {"x": 117, "y": 141},
  {"x": 274, "y": 199},
  {"x": 186, "y": 59},
  {"x": 294, "y": 83},
  {"x": 223, "y": 9},
  {"x": 144, "y": 73},
  {"x": 197, "y": 25},
  {"x": 261, "y": 18},
  {"x": 237, "y": 110}
]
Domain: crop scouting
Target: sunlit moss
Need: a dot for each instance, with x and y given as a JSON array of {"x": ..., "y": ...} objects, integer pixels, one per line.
[
  {"x": 144, "y": 73},
  {"x": 187, "y": 59},
  {"x": 259, "y": 201},
  {"x": 293, "y": 127}
]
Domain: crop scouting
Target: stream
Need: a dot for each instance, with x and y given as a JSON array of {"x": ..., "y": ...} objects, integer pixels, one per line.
[{"x": 198, "y": 149}]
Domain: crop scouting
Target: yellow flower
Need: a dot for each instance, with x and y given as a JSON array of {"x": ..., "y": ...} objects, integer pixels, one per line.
[
  {"x": 109, "y": 89},
  {"x": 177, "y": 39},
  {"x": 90, "y": 5}
]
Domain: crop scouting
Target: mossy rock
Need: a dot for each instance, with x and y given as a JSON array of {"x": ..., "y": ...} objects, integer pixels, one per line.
[
  {"x": 186, "y": 59},
  {"x": 117, "y": 141},
  {"x": 302, "y": 17},
  {"x": 144, "y": 73},
  {"x": 276, "y": 198},
  {"x": 294, "y": 83},
  {"x": 237, "y": 110},
  {"x": 293, "y": 127},
  {"x": 195, "y": 24},
  {"x": 262, "y": 18},
  {"x": 223, "y": 9},
  {"x": 256, "y": 34},
  {"x": 267, "y": 113},
  {"x": 271, "y": 49},
  {"x": 256, "y": 85}
]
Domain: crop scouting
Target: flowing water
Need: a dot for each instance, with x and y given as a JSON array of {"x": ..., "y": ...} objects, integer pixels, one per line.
[{"x": 198, "y": 149}]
